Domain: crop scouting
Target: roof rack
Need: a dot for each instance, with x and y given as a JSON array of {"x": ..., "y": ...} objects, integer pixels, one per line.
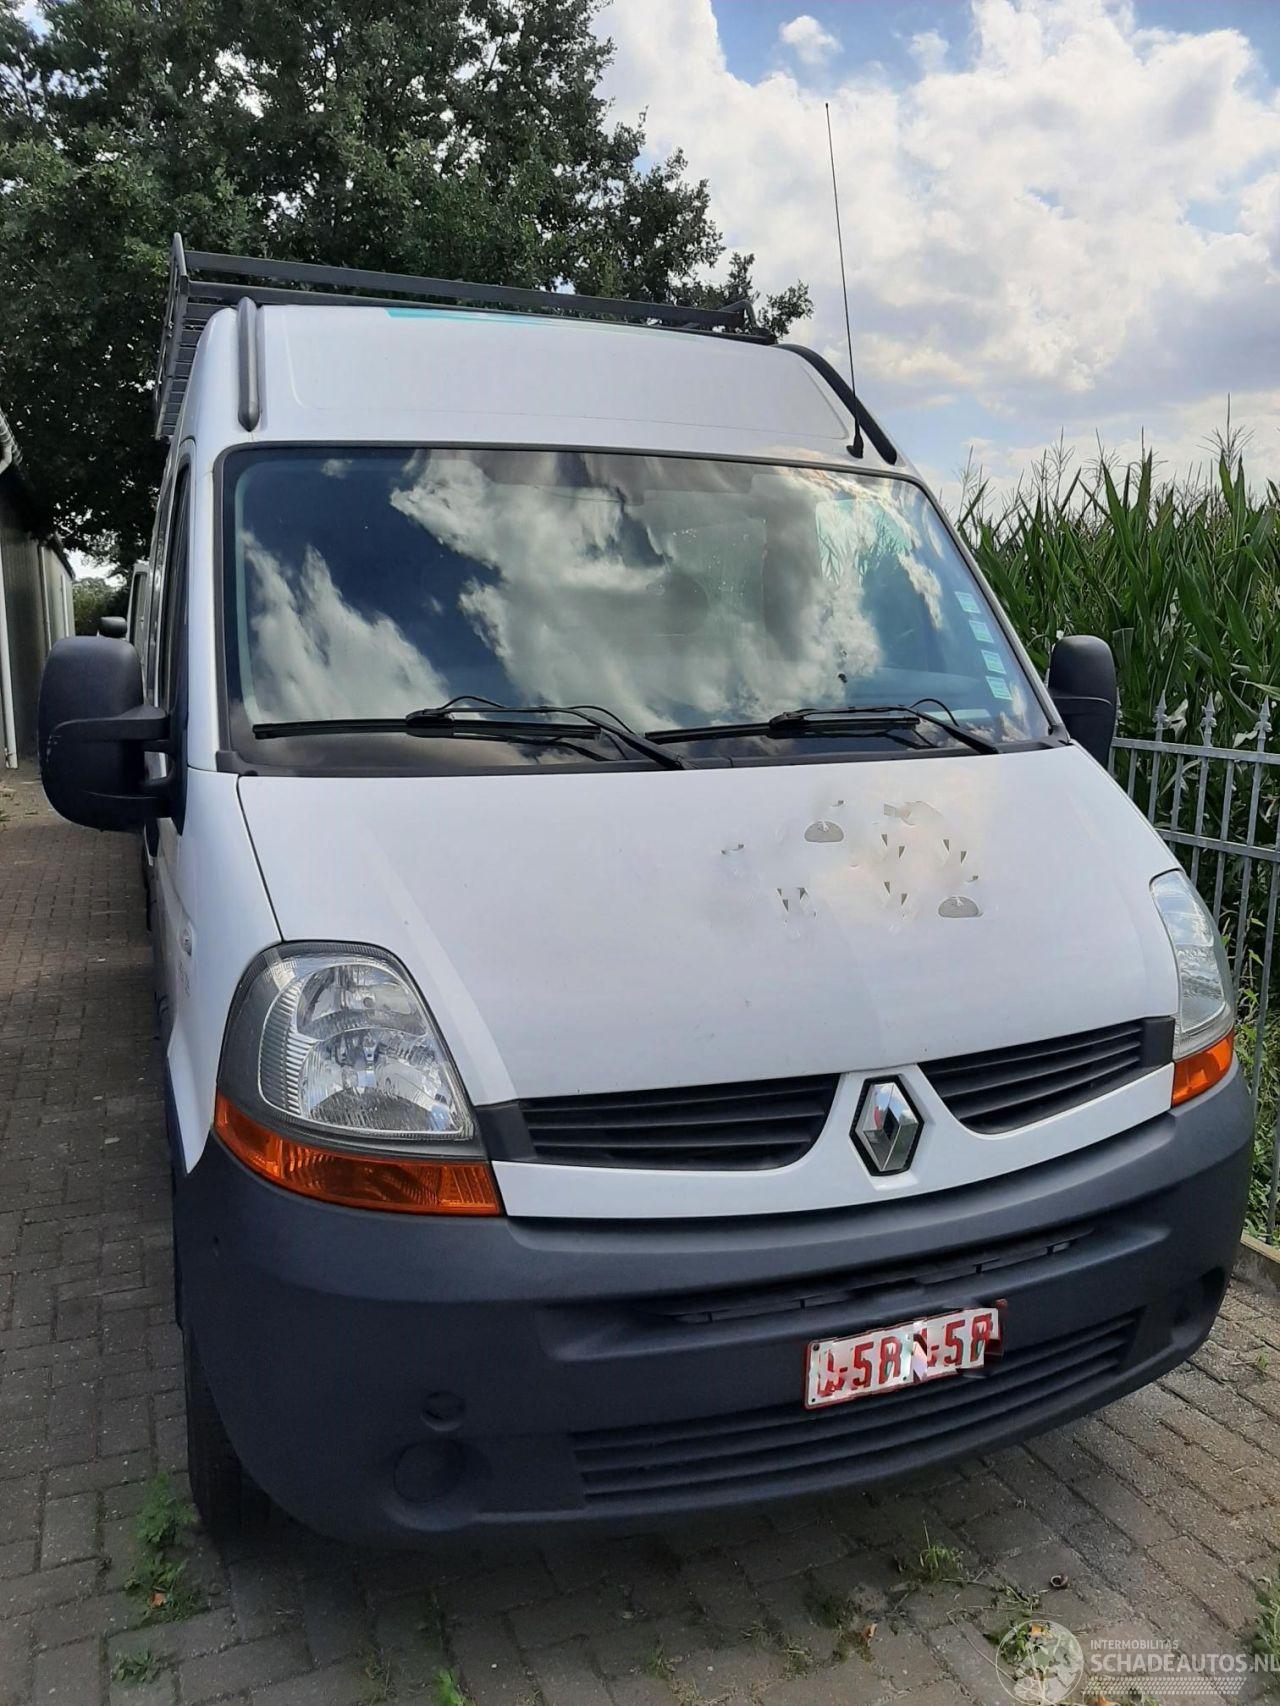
[{"x": 201, "y": 282}]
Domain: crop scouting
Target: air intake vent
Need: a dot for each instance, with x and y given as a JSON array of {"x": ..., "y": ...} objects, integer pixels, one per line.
[
  {"x": 768, "y": 1123},
  {"x": 1010, "y": 1087},
  {"x": 748, "y": 1448}
]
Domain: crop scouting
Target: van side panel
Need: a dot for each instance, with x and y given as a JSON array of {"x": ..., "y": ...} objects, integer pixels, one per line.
[{"x": 213, "y": 916}]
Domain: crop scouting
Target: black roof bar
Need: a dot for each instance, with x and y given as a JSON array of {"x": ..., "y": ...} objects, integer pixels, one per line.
[
  {"x": 201, "y": 282},
  {"x": 856, "y": 407}
]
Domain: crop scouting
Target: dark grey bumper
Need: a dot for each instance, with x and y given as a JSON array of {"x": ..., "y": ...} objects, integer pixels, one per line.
[{"x": 388, "y": 1378}]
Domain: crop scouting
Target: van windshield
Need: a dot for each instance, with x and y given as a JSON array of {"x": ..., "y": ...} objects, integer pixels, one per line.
[{"x": 367, "y": 583}]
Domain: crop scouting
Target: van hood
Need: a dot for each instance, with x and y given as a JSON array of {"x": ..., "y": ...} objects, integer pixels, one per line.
[{"x": 636, "y": 929}]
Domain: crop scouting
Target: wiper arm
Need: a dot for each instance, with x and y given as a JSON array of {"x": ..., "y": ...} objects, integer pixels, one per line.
[
  {"x": 846, "y": 719},
  {"x": 453, "y": 714},
  {"x": 509, "y": 731},
  {"x": 876, "y": 718}
]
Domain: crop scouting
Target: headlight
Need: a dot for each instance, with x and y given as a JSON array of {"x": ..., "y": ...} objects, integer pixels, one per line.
[
  {"x": 334, "y": 1041},
  {"x": 1206, "y": 1001}
]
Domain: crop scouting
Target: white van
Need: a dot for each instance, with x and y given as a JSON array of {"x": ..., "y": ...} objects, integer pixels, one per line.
[{"x": 659, "y": 1012}]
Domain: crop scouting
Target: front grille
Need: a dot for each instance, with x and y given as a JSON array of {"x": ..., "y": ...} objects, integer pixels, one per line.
[
  {"x": 1008, "y": 1087},
  {"x": 839, "y": 1288},
  {"x": 768, "y": 1123},
  {"x": 748, "y": 1448}
]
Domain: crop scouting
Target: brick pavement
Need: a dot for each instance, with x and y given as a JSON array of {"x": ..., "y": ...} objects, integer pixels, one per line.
[{"x": 1154, "y": 1518}]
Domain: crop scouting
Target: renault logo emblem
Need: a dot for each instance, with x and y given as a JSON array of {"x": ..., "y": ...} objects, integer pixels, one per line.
[{"x": 886, "y": 1127}]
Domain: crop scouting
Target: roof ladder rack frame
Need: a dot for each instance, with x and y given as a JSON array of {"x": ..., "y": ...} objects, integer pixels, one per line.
[{"x": 202, "y": 282}]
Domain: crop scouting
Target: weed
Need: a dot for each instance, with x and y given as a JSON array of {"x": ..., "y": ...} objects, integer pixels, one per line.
[
  {"x": 160, "y": 1584},
  {"x": 935, "y": 1564},
  {"x": 449, "y": 1691},
  {"x": 379, "y": 1684},
  {"x": 1262, "y": 1362},
  {"x": 434, "y": 1624},
  {"x": 1009, "y": 1596},
  {"x": 659, "y": 1667},
  {"x": 1266, "y": 1628},
  {"x": 770, "y": 1634},
  {"x": 158, "y": 1579},
  {"x": 163, "y": 1517},
  {"x": 657, "y": 1664},
  {"x": 1036, "y": 1659},
  {"x": 841, "y": 1614},
  {"x": 142, "y": 1666}
]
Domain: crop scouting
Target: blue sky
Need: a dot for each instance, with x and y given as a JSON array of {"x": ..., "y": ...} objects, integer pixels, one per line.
[
  {"x": 1061, "y": 215},
  {"x": 881, "y": 30}
]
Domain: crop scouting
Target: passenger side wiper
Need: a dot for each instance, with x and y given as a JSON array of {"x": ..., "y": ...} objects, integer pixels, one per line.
[
  {"x": 841, "y": 720},
  {"x": 879, "y": 717}
]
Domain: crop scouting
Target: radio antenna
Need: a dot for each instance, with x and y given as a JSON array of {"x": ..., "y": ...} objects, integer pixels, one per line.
[{"x": 856, "y": 446}]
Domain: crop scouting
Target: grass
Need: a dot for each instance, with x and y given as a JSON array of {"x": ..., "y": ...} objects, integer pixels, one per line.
[
  {"x": 158, "y": 1580},
  {"x": 1266, "y": 1628},
  {"x": 135, "y": 1668},
  {"x": 936, "y": 1563},
  {"x": 378, "y": 1685},
  {"x": 1268, "y": 1099},
  {"x": 841, "y": 1614},
  {"x": 449, "y": 1691}
]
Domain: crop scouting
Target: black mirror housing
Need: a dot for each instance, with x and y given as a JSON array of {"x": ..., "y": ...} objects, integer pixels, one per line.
[
  {"x": 113, "y": 627},
  {"x": 1082, "y": 684},
  {"x": 93, "y": 730}
]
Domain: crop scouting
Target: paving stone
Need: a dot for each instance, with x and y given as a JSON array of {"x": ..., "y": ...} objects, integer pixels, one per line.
[
  {"x": 68, "y": 1676},
  {"x": 252, "y": 1664}
]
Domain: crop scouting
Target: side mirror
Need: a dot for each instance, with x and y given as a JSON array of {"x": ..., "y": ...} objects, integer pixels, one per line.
[
  {"x": 1082, "y": 684},
  {"x": 93, "y": 729},
  {"x": 113, "y": 627}
]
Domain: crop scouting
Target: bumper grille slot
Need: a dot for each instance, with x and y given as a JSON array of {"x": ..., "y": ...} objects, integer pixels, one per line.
[
  {"x": 763, "y": 1124},
  {"x": 1004, "y": 1088},
  {"x": 823, "y": 1291},
  {"x": 743, "y": 1449}
]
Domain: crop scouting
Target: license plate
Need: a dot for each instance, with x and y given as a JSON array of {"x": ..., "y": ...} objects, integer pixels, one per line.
[{"x": 887, "y": 1358}]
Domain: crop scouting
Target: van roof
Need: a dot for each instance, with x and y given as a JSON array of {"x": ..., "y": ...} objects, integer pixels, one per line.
[{"x": 288, "y": 366}]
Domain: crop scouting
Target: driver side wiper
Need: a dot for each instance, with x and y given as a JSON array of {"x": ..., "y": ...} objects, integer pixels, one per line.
[
  {"x": 452, "y": 715},
  {"x": 514, "y": 725}
]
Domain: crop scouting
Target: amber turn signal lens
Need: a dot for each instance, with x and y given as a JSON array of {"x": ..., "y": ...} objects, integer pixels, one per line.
[
  {"x": 1200, "y": 1072},
  {"x": 357, "y": 1181}
]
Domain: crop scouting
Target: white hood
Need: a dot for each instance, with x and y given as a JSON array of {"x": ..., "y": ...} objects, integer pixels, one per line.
[{"x": 629, "y": 930}]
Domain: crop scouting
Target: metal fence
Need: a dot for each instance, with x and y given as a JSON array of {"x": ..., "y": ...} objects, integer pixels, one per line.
[{"x": 1218, "y": 807}]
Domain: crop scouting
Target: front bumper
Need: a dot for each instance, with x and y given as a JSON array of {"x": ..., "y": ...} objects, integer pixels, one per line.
[{"x": 387, "y": 1378}]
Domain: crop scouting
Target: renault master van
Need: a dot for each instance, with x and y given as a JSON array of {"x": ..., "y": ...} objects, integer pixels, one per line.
[{"x": 662, "y": 1009}]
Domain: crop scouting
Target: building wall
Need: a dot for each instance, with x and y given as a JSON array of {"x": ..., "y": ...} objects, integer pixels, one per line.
[{"x": 36, "y": 612}]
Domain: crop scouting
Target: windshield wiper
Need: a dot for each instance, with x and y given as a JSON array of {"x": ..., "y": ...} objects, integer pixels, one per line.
[
  {"x": 876, "y": 717},
  {"x": 454, "y": 714},
  {"x": 469, "y": 714},
  {"x": 841, "y": 720}
]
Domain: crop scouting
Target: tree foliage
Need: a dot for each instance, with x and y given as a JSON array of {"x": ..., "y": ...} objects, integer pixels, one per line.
[
  {"x": 94, "y": 597},
  {"x": 460, "y": 138}
]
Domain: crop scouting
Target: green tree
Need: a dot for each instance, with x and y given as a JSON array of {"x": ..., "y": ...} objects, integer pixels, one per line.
[
  {"x": 93, "y": 597},
  {"x": 462, "y": 138}
]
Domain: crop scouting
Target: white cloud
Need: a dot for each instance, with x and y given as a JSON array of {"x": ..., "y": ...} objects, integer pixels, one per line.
[
  {"x": 929, "y": 50},
  {"x": 1071, "y": 221},
  {"x": 811, "y": 44}
]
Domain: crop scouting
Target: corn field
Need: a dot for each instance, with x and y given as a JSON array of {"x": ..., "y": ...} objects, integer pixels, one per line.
[{"x": 1183, "y": 579}]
